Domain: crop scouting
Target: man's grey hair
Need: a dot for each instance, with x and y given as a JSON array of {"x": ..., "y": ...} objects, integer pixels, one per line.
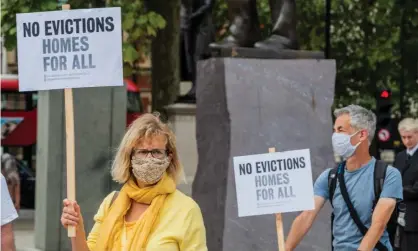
[
  {"x": 361, "y": 118},
  {"x": 409, "y": 125}
]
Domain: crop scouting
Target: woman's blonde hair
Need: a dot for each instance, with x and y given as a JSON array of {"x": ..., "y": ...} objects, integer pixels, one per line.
[{"x": 146, "y": 126}]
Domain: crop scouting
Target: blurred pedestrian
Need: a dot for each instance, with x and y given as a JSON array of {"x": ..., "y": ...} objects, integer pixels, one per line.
[
  {"x": 407, "y": 163},
  {"x": 8, "y": 215},
  {"x": 11, "y": 173},
  {"x": 359, "y": 216},
  {"x": 148, "y": 213}
]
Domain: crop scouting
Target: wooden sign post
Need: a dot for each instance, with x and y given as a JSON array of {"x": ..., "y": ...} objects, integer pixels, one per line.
[
  {"x": 274, "y": 183},
  {"x": 70, "y": 142},
  {"x": 279, "y": 222}
]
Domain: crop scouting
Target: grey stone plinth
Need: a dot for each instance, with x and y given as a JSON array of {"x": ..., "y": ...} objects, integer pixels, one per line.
[
  {"x": 245, "y": 106},
  {"x": 245, "y": 52},
  {"x": 182, "y": 120},
  {"x": 100, "y": 121}
]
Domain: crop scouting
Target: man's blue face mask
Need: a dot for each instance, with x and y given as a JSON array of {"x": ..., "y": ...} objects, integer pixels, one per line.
[{"x": 342, "y": 145}]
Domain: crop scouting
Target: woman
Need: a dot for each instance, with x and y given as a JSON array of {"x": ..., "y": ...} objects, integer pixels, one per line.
[{"x": 148, "y": 213}]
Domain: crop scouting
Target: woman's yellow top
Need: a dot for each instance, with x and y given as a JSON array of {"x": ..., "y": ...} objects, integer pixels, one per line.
[{"x": 179, "y": 226}]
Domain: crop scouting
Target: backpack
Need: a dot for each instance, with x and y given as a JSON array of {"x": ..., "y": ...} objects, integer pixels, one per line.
[{"x": 379, "y": 175}]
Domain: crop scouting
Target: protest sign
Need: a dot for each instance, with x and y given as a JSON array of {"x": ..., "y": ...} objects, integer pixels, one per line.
[
  {"x": 274, "y": 183},
  {"x": 69, "y": 49}
]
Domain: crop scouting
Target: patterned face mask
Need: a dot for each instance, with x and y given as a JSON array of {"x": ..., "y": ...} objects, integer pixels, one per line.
[{"x": 149, "y": 170}]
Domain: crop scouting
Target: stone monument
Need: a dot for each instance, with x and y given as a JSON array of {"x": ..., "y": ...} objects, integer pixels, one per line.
[
  {"x": 182, "y": 120},
  {"x": 251, "y": 96},
  {"x": 245, "y": 27},
  {"x": 196, "y": 33},
  {"x": 245, "y": 106}
]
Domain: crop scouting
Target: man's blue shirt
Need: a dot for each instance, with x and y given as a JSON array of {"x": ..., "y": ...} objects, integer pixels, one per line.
[{"x": 360, "y": 188}]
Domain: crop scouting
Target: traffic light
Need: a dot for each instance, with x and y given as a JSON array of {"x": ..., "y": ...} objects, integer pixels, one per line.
[
  {"x": 384, "y": 125},
  {"x": 383, "y": 107}
]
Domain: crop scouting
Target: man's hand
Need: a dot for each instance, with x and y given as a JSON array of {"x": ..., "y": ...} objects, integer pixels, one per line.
[
  {"x": 302, "y": 224},
  {"x": 380, "y": 218}
]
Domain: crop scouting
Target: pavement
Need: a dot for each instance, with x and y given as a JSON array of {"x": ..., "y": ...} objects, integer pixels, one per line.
[{"x": 24, "y": 230}]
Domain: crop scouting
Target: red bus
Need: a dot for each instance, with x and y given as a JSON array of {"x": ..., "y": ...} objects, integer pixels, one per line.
[
  {"x": 18, "y": 128},
  {"x": 19, "y": 116}
]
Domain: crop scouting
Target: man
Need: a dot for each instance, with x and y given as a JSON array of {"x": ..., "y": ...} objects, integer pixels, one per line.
[
  {"x": 407, "y": 163},
  {"x": 354, "y": 129},
  {"x": 8, "y": 214},
  {"x": 11, "y": 173}
]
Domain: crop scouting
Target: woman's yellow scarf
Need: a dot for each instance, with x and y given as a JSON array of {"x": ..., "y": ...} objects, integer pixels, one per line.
[{"x": 111, "y": 228}]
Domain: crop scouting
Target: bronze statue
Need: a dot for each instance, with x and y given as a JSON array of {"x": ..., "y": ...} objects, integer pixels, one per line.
[
  {"x": 196, "y": 33},
  {"x": 245, "y": 26}
]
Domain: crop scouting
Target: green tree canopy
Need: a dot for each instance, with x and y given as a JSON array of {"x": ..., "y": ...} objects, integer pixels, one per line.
[
  {"x": 375, "y": 45},
  {"x": 140, "y": 26}
]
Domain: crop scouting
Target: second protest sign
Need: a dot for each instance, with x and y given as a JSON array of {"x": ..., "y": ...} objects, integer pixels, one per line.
[{"x": 274, "y": 183}]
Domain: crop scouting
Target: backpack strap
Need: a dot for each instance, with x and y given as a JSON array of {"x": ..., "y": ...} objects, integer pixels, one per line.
[
  {"x": 115, "y": 195},
  {"x": 332, "y": 183},
  {"x": 379, "y": 179}
]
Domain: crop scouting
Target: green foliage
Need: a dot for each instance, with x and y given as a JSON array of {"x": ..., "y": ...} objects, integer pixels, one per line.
[
  {"x": 9, "y": 9},
  {"x": 365, "y": 42},
  {"x": 139, "y": 25}
]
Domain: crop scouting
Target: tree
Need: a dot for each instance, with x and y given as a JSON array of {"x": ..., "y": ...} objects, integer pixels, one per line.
[
  {"x": 366, "y": 43},
  {"x": 165, "y": 55},
  {"x": 139, "y": 25}
]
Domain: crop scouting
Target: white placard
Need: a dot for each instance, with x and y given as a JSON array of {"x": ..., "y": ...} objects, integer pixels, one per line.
[
  {"x": 274, "y": 183},
  {"x": 69, "y": 49}
]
